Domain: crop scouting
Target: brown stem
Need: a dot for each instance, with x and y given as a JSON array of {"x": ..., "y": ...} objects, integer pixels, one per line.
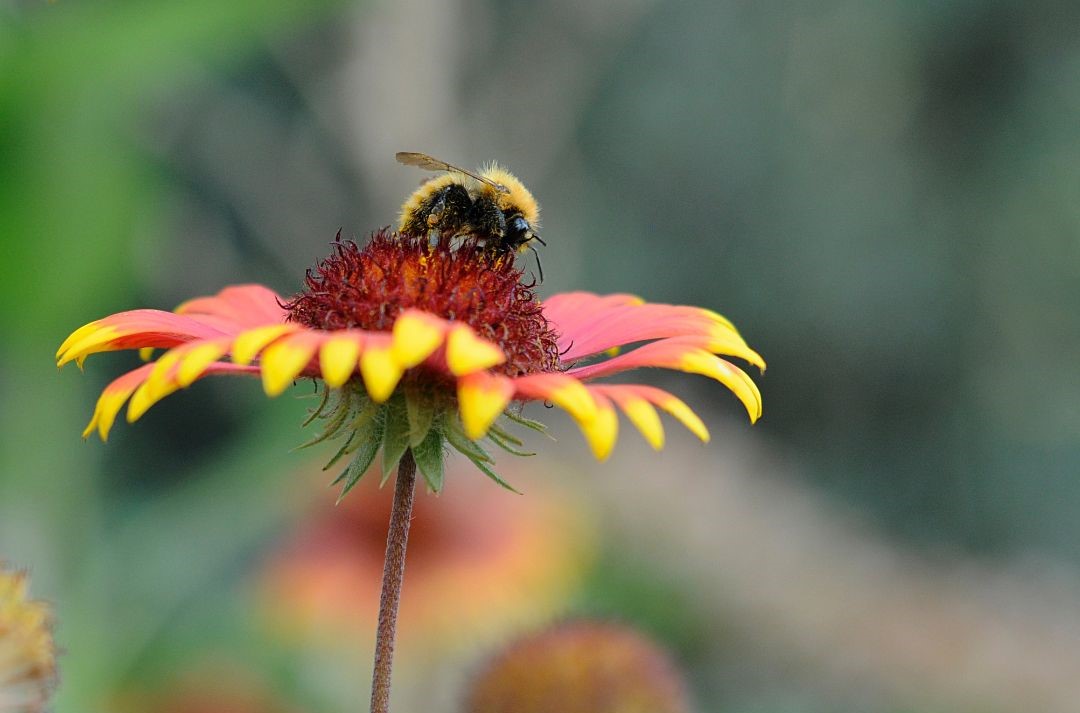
[{"x": 393, "y": 571}]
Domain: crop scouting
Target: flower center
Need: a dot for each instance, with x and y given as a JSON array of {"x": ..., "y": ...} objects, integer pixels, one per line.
[{"x": 367, "y": 288}]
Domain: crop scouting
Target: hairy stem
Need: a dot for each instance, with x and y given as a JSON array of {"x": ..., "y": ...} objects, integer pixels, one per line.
[{"x": 393, "y": 571}]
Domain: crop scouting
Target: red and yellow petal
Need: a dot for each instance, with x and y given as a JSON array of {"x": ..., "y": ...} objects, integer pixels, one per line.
[
  {"x": 467, "y": 353},
  {"x": 134, "y": 329},
  {"x": 416, "y": 336},
  {"x": 638, "y": 409},
  {"x": 113, "y": 398},
  {"x": 338, "y": 357},
  {"x": 237, "y": 306},
  {"x": 482, "y": 397},
  {"x": 381, "y": 372},
  {"x": 589, "y": 324},
  {"x": 682, "y": 355}
]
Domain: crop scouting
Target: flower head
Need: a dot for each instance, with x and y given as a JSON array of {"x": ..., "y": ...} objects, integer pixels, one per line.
[
  {"x": 579, "y": 667},
  {"x": 478, "y": 565},
  {"x": 422, "y": 343},
  {"x": 27, "y": 654}
]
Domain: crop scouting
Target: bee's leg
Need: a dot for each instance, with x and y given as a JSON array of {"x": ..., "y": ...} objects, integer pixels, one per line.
[
  {"x": 539, "y": 265},
  {"x": 436, "y": 208}
]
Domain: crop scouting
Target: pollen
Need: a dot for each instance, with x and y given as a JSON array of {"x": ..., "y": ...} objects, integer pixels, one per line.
[{"x": 368, "y": 287}]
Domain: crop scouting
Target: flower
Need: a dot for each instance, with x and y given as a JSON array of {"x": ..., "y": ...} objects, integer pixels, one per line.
[
  {"x": 27, "y": 654},
  {"x": 422, "y": 341},
  {"x": 478, "y": 565},
  {"x": 216, "y": 684},
  {"x": 579, "y": 667}
]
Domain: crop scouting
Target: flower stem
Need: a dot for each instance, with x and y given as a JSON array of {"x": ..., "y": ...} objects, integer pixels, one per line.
[{"x": 393, "y": 571}]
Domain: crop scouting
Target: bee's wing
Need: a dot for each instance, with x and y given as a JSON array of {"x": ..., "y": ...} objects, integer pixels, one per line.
[{"x": 430, "y": 163}]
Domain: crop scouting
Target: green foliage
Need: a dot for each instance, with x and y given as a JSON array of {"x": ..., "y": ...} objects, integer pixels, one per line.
[
  {"x": 395, "y": 435},
  {"x": 431, "y": 460}
]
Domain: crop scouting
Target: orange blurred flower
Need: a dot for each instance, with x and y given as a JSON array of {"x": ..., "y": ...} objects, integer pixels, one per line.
[{"x": 479, "y": 561}]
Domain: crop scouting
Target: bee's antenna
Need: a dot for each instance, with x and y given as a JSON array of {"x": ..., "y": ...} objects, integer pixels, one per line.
[
  {"x": 538, "y": 265},
  {"x": 539, "y": 239}
]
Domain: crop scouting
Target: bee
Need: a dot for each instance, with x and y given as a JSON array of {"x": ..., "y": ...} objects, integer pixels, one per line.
[{"x": 491, "y": 205}]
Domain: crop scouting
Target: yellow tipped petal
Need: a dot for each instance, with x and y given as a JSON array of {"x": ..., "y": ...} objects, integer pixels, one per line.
[
  {"x": 573, "y": 397},
  {"x": 481, "y": 398},
  {"x": 248, "y": 344},
  {"x": 720, "y": 319},
  {"x": 467, "y": 353},
  {"x": 728, "y": 343},
  {"x": 701, "y": 362},
  {"x": 416, "y": 336},
  {"x": 682, "y": 413},
  {"x": 195, "y": 360},
  {"x": 283, "y": 361},
  {"x": 93, "y": 421},
  {"x": 108, "y": 405},
  {"x": 642, "y": 414},
  {"x": 337, "y": 360},
  {"x": 161, "y": 376},
  {"x": 88, "y": 343},
  {"x": 381, "y": 372},
  {"x": 76, "y": 336},
  {"x": 146, "y": 396},
  {"x": 601, "y": 431},
  {"x": 146, "y": 353}
]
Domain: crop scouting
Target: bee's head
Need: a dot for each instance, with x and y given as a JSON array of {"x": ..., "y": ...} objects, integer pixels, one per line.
[{"x": 516, "y": 200}]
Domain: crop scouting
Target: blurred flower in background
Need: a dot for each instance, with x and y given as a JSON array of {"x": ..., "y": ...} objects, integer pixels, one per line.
[
  {"x": 579, "y": 666},
  {"x": 27, "y": 652},
  {"x": 208, "y": 686},
  {"x": 481, "y": 562}
]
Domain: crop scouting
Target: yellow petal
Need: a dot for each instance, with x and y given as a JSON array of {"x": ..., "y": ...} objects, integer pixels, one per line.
[
  {"x": 642, "y": 414},
  {"x": 283, "y": 361},
  {"x": 76, "y": 336},
  {"x": 161, "y": 375},
  {"x": 481, "y": 398},
  {"x": 195, "y": 360},
  {"x": 602, "y": 430},
  {"x": 573, "y": 397},
  {"x": 701, "y": 362},
  {"x": 248, "y": 344},
  {"x": 728, "y": 343},
  {"x": 685, "y": 416},
  {"x": 467, "y": 353},
  {"x": 88, "y": 342},
  {"x": 337, "y": 359},
  {"x": 146, "y": 353},
  {"x": 109, "y": 404},
  {"x": 146, "y": 396},
  {"x": 416, "y": 336},
  {"x": 381, "y": 372}
]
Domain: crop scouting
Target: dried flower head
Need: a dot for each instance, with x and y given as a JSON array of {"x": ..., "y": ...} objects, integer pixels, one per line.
[{"x": 27, "y": 653}]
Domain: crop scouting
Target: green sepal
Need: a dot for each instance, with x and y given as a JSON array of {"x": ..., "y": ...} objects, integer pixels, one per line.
[
  {"x": 501, "y": 441},
  {"x": 336, "y": 419},
  {"x": 395, "y": 437},
  {"x": 365, "y": 456},
  {"x": 318, "y": 410},
  {"x": 527, "y": 423},
  {"x": 363, "y": 428},
  {"x": 421, "y": 409},
  {"x": 431, "y": 460},
  {"x": 455, "y": 435},
  {"x": 493, "y": 475},
  {"x": 505, "y": 435}
]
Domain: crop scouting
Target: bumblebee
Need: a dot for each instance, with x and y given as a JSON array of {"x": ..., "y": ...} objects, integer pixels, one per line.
[{"x": 491, "y": 206}]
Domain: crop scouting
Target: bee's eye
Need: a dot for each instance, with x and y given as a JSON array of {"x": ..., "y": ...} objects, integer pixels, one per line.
[{"x": 518, "y": 225}]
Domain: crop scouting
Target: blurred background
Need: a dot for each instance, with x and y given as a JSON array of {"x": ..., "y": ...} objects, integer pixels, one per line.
[{"x": 883, "y": 196}]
